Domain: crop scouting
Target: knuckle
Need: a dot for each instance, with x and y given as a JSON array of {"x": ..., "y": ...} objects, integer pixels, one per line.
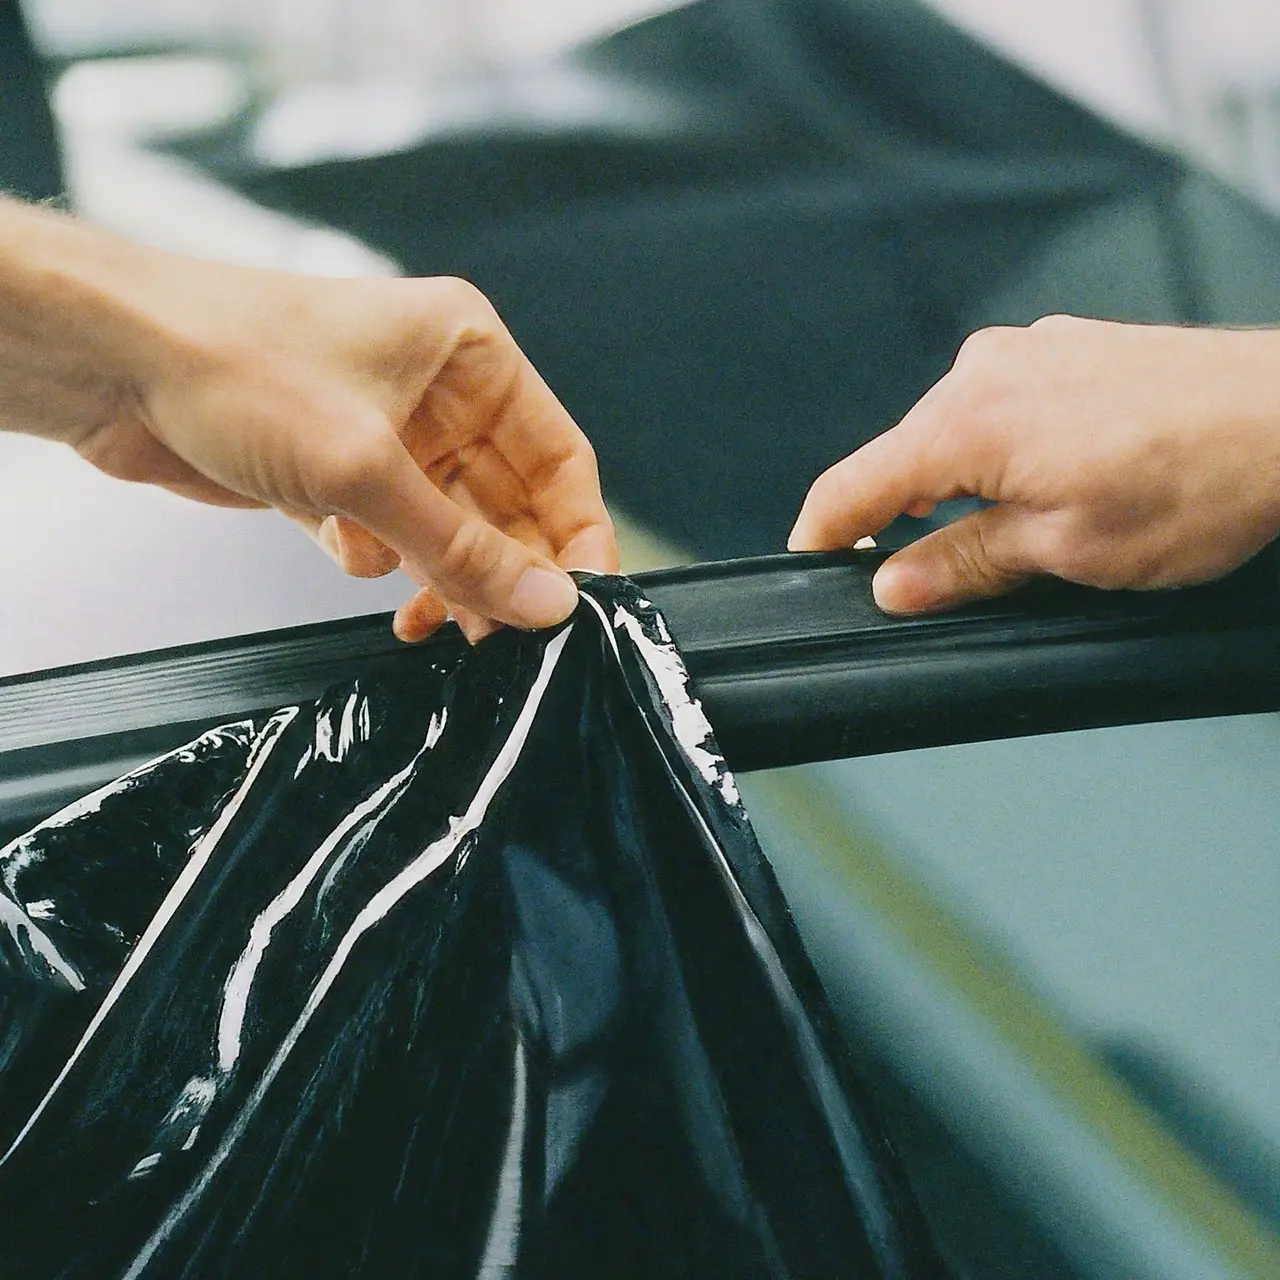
[
  {"x": 587, "y": 452},
  {"x": 1055, "y": 325},
  {"x": 975, "y": 562},
  {"x": 1073, "y": 548},
  {"x": 355, "y": 468},
  {"x": 545, "y": 472},
  {"x": 985, "y": 346},
  {"x": 471, "y": 309},
  {"x": 472, "y": 554},
  {"x": 983, "y": 366},
  {"x": 1066, "y": 554}
]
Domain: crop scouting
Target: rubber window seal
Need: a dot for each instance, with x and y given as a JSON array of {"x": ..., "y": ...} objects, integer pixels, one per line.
[{"x": 789, "y": 654}]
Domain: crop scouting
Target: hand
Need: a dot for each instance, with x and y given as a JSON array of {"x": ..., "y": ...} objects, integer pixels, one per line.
[
  {"x": 1117, "y": 456},
  {"x": 396, "y": 420}
]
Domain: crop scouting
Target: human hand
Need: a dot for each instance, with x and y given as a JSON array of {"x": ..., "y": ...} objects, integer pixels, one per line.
[
  {"x": 396, "y": 420},
  {"x": 1117, "y": 456}
]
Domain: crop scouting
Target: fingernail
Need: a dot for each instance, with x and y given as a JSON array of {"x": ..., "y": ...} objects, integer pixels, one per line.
[
  {"x": 891, "y": 588},
  {"x": 542, "y": 598}
]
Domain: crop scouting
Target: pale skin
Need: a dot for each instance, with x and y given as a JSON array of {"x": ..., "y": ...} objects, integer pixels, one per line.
[
  {"x": 1116, "y": 456},
  {"x": 397, "y": 421}
]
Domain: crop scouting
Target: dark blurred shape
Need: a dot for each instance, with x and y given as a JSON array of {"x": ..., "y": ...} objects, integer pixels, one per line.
[
  {"x": 30, "y": 164},
  {"x": 822, "y": 200},
  {"x": 472, "y": 968},
  {"x": 985, "y": 1232},
  {"x": 1202, "y": 1121}
]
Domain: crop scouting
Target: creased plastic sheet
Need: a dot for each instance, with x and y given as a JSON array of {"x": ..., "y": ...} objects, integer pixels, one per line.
[{"x": 472, "y": 968}]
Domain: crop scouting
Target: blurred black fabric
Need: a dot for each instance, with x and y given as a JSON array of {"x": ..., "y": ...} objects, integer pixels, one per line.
[
  {"x": 30, "y": 164},
  {"x": 825, "y": 198}
]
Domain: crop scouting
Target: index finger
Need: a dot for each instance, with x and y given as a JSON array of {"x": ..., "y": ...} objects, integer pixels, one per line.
[
  {"x": 555, "y": 462},
  {"x": 922, "y": 461},
  {"x": 377, "y": 482}
]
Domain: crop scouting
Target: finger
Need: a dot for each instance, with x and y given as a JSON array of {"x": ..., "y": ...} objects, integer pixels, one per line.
[
  {"x": 557, "y": 467},
  {"x": 473, "y": 625},
  {"x": 936, "y": 452},
  {"x": 976, "y": 558},
  {"x": 478, "y": 478},
  {"x": 861, "y": 494},
  {"x": 516, "y": 523},
  {"x": 593, "y": 548},
  {"x": 488, "y": 389},
  {"x": 481, "y": 479},
  {"x": 359, "y": 552},
  {"x": 350, "y": 546},
  {"x": 376, "y": 482},
  {"x": 427, "y": 611},
  {"x": 420, "y": 616}
]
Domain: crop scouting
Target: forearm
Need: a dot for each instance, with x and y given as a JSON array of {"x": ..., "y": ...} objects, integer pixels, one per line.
[{"x": 77, "y": 335}]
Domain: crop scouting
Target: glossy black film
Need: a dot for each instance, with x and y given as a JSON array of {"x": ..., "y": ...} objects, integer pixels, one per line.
[{"x": 470, "y": 968}]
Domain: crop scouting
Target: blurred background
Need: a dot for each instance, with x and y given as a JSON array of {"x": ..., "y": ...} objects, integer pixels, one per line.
[{"x": 740, "y": 237}]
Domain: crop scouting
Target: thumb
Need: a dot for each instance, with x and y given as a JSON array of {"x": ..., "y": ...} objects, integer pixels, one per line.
[
  {"x": 460, "y": 554},
  {"x": 491, "y": 574},
  {"x": 981, "y": 556}
]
